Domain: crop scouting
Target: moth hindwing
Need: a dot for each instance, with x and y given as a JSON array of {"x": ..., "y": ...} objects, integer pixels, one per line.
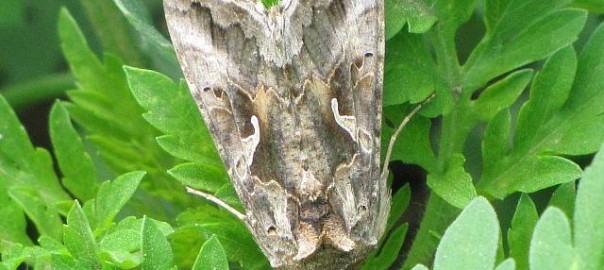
[{"x": 292, "y": 96}]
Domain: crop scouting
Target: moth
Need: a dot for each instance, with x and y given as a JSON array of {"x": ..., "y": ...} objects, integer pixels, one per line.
[{"x": 292, "y": 95}]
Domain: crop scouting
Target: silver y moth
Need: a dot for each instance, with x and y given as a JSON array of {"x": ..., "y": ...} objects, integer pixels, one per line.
[{"x": 292, "y": 96}]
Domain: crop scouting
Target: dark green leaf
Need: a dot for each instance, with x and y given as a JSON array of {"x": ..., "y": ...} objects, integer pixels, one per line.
[
  {"x": 388, "y": 252},
  {"x": 400, "y": 201},
  {"x": 520, "y": 32}
]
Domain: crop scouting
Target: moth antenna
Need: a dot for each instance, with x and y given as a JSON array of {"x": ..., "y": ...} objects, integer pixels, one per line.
[
  {"x": 217, "y": 201},
  {"x": 398, "y": 131}
]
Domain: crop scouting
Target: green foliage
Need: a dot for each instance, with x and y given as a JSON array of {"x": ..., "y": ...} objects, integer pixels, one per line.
[
  {"x": 492, "y": 140},
  {"x": 471, "y": 242}
]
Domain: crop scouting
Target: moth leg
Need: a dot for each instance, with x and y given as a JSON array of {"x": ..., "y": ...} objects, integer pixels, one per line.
[
  {"x": 334, "y": 232},
  {"x": 308, "y": 241},
  {"x": 406, "y": 120},
  {"x": 218, "y": 202}
]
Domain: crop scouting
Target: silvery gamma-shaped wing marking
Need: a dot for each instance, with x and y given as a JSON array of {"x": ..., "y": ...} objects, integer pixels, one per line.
[{"x": 292, "y": 96}]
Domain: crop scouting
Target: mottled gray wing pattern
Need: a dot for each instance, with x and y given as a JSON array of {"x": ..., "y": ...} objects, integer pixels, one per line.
[{"x": 292, "y": 97}]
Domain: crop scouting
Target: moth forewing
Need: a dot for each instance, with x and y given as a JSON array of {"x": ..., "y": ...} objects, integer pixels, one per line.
[{"x": 292, "y": 96}]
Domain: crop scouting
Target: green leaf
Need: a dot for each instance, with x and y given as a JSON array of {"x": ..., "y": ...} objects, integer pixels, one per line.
[
  {"x": 158, "y": 47},
  {"x": 45, "y": 217},
  {"x": 388, "y": 252},
  {"x": 455, "y": 186},
  {"x": 420, "y": 267},
  {"x": 564, "y": 198},
  {"x": 120, "y": 247},
  {"x": 589, "y": 217},
  {"x": 23, "y": 167},
  {"x": 211, "y": 256},
  {"x": 113, "y": 196},
  {"x": 155, "y": 248},
  {"x": 471, "y": 241},
  {"x": 501, "y": 94},
  {"x": 172, "y": 110},
  {"x": 79, "y": 173},
  {"x": 551, "y": 246},
  {"x": 105, "y": 107},
  {"x": 521, "y": 230},
  {"x": 409, "y": 70},
  {"x": 591, "y": 5},
  {"x": 232, "y": 234},
  {"x": 79, "y": 239},
  {"x": 419, "y": 16},
  {"x": 15, "y": 254},
  {"x": 11, "y": 13},
  {"x": 531, "y": 165},
  {"x": 520, "y": 32},
  {"x": 399, "y": 204},
  {"x": 413, "y": 145},
  {"x": 199, "y": 176},
  {"x": 508, "y": 264}
]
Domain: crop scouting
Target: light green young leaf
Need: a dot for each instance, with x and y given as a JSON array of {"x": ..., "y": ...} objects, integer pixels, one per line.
[
  {"x": 79, "y": 239},
  {"x": 564, "y": 198},
  {"x": 211, "y": 256},
  {"x": 79, "y": 173},
  {"x": 113, "y": 196},
  {"x": 521, "y": 230},
  {"x": 589, "y": 217},
  {"x": 551, "y": 246},
  {"x": 455, "y": 185},
  {"x": 508, "y": 264},
  {"x": 420, "y": 267},
  {"x": 471, "y": 241},
  {"x": 156, "y": 251}
]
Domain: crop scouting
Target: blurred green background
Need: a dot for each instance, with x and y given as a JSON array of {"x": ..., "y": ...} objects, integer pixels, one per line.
[{"x": 33, "y": 72}]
